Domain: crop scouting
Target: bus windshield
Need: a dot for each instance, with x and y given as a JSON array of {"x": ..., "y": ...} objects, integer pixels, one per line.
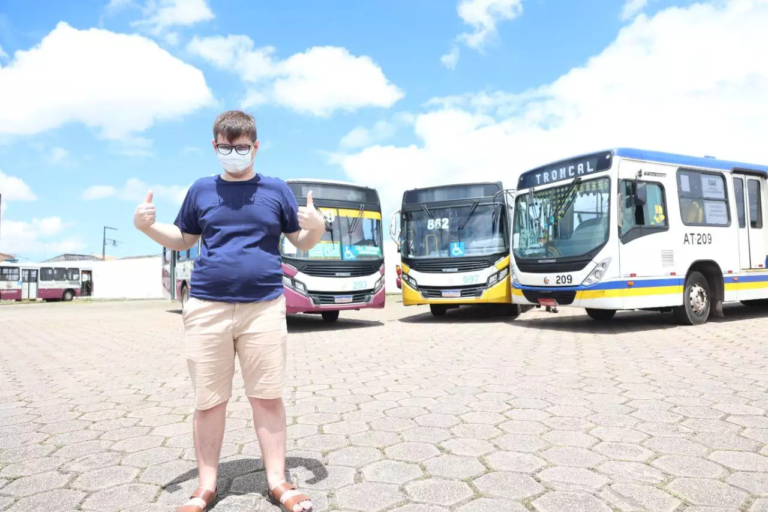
[
  {"x": 454, "y": 232},
  {"x": 566, "y": 221},
  {"x": 350, "y": 235}
]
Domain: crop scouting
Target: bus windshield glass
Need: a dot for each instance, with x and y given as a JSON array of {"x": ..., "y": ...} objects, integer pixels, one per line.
[
  {"x": 454, "y": 232},
  {"x": 350, "y": 235},
  {"x": 567, "y": 221}
]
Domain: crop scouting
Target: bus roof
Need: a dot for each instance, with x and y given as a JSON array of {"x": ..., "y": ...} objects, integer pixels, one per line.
[
  {"x": 329, "y": 182},
  {"x": 687, "y": 161}
]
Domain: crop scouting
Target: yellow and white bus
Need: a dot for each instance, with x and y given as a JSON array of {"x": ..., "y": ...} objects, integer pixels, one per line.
[
  {"x": 454, "y": 246},
  {"x": 629, "y": 229}
]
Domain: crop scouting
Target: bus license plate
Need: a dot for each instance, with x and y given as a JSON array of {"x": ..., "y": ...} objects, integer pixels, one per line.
[
  {"x": 451, "y": 294},
  {"x": 548, "y": 302},
  {"x": 343, "y": 299}
]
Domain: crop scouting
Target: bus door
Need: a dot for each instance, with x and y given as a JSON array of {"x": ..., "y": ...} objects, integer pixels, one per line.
[
  {"x": 749, "y": 205},
  {"x": 28, "y": 283},
  {"x": 86, "y": 286}
]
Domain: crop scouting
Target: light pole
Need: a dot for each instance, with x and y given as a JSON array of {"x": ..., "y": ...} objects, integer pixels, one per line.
[{"x": 104, "y": 243}]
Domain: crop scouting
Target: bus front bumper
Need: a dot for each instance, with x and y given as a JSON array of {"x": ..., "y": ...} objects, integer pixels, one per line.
[
  {"x": 299, "y": 303},
  {"x": 496, "y": 294}
]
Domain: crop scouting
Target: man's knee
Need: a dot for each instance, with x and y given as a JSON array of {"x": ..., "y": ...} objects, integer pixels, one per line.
[{"x": 266, "y": 403}]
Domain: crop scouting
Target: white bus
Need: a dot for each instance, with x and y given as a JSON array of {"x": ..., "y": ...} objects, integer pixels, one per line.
[
  {"x": 628, "y": 229},
  {"x": 46, "y": 281}
]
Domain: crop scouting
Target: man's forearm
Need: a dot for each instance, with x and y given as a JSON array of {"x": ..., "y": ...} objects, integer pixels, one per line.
[
  {"x": 168, "y": 235},
  {"x": 308, "y": 239}
]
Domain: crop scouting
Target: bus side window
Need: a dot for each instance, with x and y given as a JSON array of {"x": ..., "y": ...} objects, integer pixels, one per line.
[
  {"x": 74, "y": 274},
  {"x": 46, "y": 274},
  {"x": 755, "y": 206},
  {"x": 738, "y": 189},
  {"x": 60, "y": 274},
  {"x": 652, "y": 214}
]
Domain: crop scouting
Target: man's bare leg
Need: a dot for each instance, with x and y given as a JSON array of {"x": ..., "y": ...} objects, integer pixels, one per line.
[
  {"x": 269, "y": 420},
  {"x": 208, "y": 427}
]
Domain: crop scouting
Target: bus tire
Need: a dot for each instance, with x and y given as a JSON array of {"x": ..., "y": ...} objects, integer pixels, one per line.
[
  {"x": 184, "y": 296},
  {"x": 697, "y": 301},
  {"x": 330, "y": 316},
  {"x": 601, "y": 315},
  {"x": 512, "y": 310},
  {"x": 438, "y": 309},
  {"x": 68, "y": 295}
]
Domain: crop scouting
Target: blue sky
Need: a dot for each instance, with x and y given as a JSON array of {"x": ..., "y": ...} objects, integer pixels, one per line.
[{"x": 89, "y": 118}]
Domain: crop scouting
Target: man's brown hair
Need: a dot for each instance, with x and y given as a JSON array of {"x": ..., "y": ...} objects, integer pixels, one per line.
[{"x": 234, "y": 124}]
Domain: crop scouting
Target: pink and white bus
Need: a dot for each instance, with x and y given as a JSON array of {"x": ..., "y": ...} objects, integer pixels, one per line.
[
  {"x": 345, "y": 271},
  {"x": 46, "y": 281}
]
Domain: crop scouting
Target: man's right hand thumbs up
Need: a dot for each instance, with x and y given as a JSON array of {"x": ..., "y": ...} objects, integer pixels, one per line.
[{"x": 145, "y": 214}]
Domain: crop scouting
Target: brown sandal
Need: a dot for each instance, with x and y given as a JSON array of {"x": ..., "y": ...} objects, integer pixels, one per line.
[
  {"x": 202, "y": 494},
  {"x": 275, "y": 494}
]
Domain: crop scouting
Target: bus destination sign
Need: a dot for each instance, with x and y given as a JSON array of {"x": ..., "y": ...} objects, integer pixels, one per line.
[{"x": 565, "y": 170}]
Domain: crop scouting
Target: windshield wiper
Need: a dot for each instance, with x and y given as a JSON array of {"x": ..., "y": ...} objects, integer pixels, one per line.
[
  {"x": 469, "y": 215},
  {"x": 426, "y": 210},
  {"x": 567, "y": 201},
  {"x": 356, "y": 222}
]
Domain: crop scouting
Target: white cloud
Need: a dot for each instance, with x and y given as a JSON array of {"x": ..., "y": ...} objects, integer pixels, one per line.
[
  {"x": 162, "y": 14},
  {"x": 14, "y": 189},
  {"x": 38, "y": 237},
  {"x": 318, "y": 81},
  {"x": 3, "y": 55},
  {"x": 120, "y": 84},
  {"x": 692, "y": 80},
  {"x": 381, "y": 131},
  {"x": 483, "y": 16},
  {"x": 135, "y": 190},
  {"x": 58, "y": 156},
  {"x": 631, "y": 8}
]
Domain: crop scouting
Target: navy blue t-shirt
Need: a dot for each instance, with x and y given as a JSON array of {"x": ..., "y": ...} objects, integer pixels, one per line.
[{"x": 240, "y": 223}]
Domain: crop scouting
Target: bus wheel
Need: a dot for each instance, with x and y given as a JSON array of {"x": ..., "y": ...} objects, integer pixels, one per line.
[
  {"x": 438, "y": 309},
  {"x": 68, "y": 295},
  {"x": 512, "y": 310},
  {"x": 330, "y": 316},
  {"x": 601, "y": 315},
  {"x": 184, "y": 297},
  {"x": 697, "y": 301}
]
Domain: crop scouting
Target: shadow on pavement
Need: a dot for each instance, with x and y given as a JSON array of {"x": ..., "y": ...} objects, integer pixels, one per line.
[
  {"x": 479, "y": 313},
  {"x": 255, "y": 481},
  {"x": 315, "y": 323}
]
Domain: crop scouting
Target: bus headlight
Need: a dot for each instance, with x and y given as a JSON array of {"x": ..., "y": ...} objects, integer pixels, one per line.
[
  {"x": 515, "y": 280},
  {"x": 598, "y": 273},
  {"x": 497, "y": 277},
  {"x": 409, "y": 281},
  {"x": 293, "y": 284},
  {"x": 379, "y": 284}
]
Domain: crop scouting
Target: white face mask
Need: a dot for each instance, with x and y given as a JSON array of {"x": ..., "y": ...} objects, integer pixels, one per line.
[{"x": 235, "y": 163}]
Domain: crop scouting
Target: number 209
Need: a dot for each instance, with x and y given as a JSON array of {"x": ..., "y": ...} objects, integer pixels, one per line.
[{"x": 564, "y": 279}]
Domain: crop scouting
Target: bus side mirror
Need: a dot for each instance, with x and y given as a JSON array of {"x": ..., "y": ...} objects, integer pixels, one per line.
[
  {"x": 394, "y": 229},
  {"x": 641, "y": 194}
]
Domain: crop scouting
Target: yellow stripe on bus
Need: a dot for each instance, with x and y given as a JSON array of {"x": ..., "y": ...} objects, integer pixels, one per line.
[
  {"x": 747, "y": 285},
  {"x": 355, "y": 213},
  {"x": 504, "y": 264}
]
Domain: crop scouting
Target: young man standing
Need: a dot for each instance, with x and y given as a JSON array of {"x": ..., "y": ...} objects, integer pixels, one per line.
[{"x": 236, "y": 304}]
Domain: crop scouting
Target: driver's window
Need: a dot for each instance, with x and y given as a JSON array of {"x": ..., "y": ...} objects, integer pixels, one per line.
[{"x": 652, "y": 214}]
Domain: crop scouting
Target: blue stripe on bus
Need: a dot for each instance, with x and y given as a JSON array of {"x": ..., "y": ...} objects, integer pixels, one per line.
[{"x": 610, "y": 285}]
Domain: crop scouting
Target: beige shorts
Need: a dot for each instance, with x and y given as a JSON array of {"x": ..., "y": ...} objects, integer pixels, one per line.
[{"x": 216, "y": 331}]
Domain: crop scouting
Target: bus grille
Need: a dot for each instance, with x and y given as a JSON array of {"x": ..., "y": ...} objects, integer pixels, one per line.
[
  {"x": 328, "y": 299},
  {"x": 437, "y": 267},
  {"x": 348, "y": 270},
  {"x": 562, "y": 297},
  {"x": 437, "y": 293}
]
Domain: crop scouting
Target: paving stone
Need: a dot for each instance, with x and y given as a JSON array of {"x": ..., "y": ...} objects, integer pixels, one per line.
[
  {"x": 77, "y": 450},
  {"x": 91, "y": 462},
  {"x": 569, "y": 438},
  {"x": 524, "y": 427},
  {"x": 639, "y": 498},
  {"x": 23, "y": 453},
  {"x": 453, "y": 466},
  {"x": 682, "y": 465},
  {"x": 354, "y": 456},
  {"x": 492, "y": 505},
  {"x": 32, "y": 467},
  {"x": 520, "y": 443},
  {"x": 726, "y": 442},
  {"x": 392, "y": 472},
  {"x": 513, "y": 461},
  {"x": 299, "y": 431},
  {"x": 572, "y": 502},
  {"x": 468, "y": 447},
  {"x": 411, "y": 452},
  {"x": 73, "y": 437},
  {"x": 393, "y": 424},
  {"x": 707, "y": 425},
  {"x": 567, "y": 423},
  {"x": 577, "y": 457},
  {"x": 741, "y": 461},
  {"x": 749, "y": 421},
  {"x": 322, "y": 442},
  {"x": 438, "y": 491},
  {"x": 368, "y": 496},
  {"x": 572, "y": 479},
  {"x": 707, "y": 492},
  {"x": 527, "y": 414},
  {"x": 631, "y": 472},
  {"x": 104, "y": 478},
  {"x": 426, "y": 434},
  {"x": 168, "y": 472},
  {"x": 438, "y": 420},
  {"x": 624, "y": 451},
  {"x": 151, "y": 457},
  {"x": 755, "y": 483},
  {"x": 28, "y": 485},
  {"x": 119, "y": 498},
  {"x": 760, "y": 505},
  {"x": 137, "y": 444},
  {"x": 345, "y": 427},
  {"x": 419, "y": 508},
  {"x": 516, "y": 486},
  {"x": 375, "y": 439},
  {"x": 476, "y": 431},
  {"x": 58, "y": 499},
  {"x": 675, "y": 446}
]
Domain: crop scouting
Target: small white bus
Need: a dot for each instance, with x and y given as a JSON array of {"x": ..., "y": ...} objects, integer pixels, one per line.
[
  {"x": 629, "y": 229},
  {"x": 46, "y": 281}
]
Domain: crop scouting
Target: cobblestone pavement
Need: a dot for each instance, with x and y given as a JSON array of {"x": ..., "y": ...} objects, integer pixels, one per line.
[{"x": 395, "y": 410}]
